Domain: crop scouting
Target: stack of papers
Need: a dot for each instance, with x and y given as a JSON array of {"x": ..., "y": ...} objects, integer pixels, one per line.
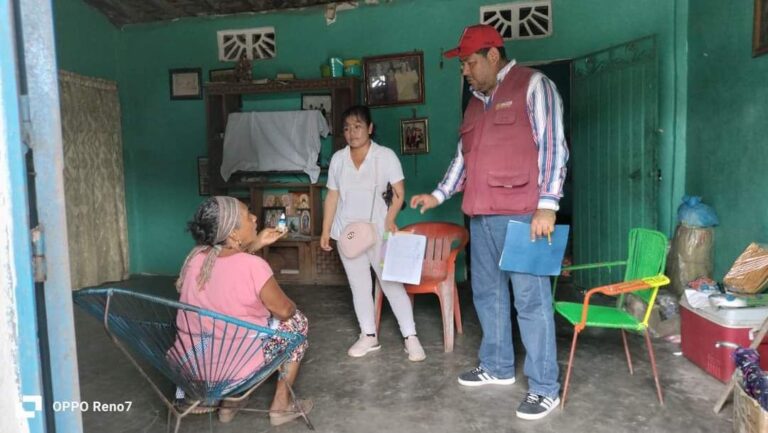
[{"x": 404, "y": 258}]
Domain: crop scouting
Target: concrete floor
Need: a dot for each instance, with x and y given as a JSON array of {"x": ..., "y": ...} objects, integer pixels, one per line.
[{"x": 385, "y": 392}]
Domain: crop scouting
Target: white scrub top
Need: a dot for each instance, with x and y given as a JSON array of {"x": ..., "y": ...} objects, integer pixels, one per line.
[{"x": 357, "y": 187}]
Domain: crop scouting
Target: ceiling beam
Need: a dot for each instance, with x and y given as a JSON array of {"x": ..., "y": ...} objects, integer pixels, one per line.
[
  {"x": 123, "y": 12},
  {"x": 169, "y": 10}
]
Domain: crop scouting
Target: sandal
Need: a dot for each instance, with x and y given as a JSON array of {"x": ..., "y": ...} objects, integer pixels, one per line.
[
  {"x": 277, "y": 418},
  {"x": 228, "y": 409},
  {"x": 184, "y": 405}
]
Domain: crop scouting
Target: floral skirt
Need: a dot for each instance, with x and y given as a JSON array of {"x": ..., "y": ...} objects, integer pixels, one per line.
[{"x": 297, "y": 324}]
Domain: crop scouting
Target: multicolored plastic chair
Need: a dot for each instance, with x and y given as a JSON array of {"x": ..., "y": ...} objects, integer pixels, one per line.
[
  {"x": 444, "y": 242},
  {"x": 210, "y": 356},
  {"x": 643, "y": 277}
]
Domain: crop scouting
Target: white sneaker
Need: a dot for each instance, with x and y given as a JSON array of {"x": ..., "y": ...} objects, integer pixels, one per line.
[
  {"x": 363, "y": 345},
  {"x": 413, "y": 349}
]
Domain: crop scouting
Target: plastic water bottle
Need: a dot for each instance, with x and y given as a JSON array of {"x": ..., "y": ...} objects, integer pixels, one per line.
[{"x": 282, "y": 224}]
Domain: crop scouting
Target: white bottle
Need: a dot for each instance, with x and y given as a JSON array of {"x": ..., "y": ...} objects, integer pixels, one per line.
[{"x": 282, "y": 224}]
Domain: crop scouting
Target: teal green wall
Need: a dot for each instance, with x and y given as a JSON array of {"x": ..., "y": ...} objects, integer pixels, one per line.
[
  {"x": 163, "y": 138},
  {"x": 86, "y": 42},
  {"x": 728, "y": 125}
]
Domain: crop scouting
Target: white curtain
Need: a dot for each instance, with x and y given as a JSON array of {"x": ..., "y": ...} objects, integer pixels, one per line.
[{"x": 93, "y": 179}]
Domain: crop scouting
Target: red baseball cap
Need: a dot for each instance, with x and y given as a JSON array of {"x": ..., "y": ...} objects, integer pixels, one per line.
[{"x": 475, "y": 38}]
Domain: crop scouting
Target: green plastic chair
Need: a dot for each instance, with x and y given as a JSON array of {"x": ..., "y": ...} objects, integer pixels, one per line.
[{"x": 643, "y": 277}]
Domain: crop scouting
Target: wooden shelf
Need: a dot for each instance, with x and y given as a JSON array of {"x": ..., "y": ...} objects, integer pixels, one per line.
[
  {"x": 304, "y": 262},
  {"x": 284, "y": 185},
  {"x": 300, "y": 261},
  {"x": 274, "y": 86}
]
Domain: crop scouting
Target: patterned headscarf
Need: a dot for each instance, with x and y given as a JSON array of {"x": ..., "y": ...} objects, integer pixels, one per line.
[{"x": 228, "y": 217}]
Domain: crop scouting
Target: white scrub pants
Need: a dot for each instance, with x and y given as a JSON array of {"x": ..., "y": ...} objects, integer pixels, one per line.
[{"x": 359, "y": 275}]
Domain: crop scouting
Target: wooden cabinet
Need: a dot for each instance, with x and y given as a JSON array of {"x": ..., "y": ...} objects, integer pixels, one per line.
[
  {"x": 298, "y": 259},
  {"x": 221, "y": 99}
]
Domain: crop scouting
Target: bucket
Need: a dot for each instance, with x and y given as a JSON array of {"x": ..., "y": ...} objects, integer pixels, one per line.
[
  {"x": 325, "y": 71},
  {"x": 352, "y": 68},
  {"x": 337, "y": 67}
]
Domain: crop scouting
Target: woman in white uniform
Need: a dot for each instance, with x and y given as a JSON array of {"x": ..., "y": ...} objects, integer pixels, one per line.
[{"x": 357, "y": 177}]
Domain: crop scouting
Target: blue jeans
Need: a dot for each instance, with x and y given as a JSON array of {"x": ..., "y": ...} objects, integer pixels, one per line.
[{"x": 533, "y": 302}]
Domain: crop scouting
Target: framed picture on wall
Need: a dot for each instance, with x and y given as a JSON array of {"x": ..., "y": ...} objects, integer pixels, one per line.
[
  {"x": 300, "y": 199},
  {"x": 760, "y": 30},
  {"x": 305, "y": 225},
  {"x": 203, "y": 184},
  {"x": 270, "y": 200},
  {"x": 414, "y": 136},
  {"x": 293, "y": 223},
  {"x": 185, "y": 83},
  {"x": 394, "y": 79}
]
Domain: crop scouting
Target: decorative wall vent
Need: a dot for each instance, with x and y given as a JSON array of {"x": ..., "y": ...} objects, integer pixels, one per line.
[
  {"x": 525, "y": 20},
  {"x": 255, "y": 43}
]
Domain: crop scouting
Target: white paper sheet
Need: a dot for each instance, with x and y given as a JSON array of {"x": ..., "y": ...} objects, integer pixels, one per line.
[{"x": 404, "y": 258}]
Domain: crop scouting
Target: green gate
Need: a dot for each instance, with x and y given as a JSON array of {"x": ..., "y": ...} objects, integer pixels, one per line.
[{"x": 614, "y": 105}]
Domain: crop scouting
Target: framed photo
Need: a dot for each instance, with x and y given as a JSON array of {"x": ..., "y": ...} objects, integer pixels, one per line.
[
  {"x": 185, "y": 83},
  {"x": 203, "y": 184},
  {"x": 394, "y": 79},
  {"x": 414, "y": 136},
  {"x": 322, "y": 103},
  {"x": 225, "y": 74},
  {"x": 760, "y": 30},
  {"x": 285, "y": 200},
  {"x": 300, "y": 199},
  {"x": 293, "y": 223},
  {"x": 270, "y": 200},
  {"x": 305, "y": 226},
  {"x": 272, "y": 216}
]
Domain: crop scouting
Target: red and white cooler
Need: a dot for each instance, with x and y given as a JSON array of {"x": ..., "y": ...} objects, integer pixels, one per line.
[{"x": 701, "y": 328}]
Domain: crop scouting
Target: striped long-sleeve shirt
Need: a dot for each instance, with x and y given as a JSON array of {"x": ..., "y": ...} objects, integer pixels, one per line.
[{"x": 545, "y": 112}]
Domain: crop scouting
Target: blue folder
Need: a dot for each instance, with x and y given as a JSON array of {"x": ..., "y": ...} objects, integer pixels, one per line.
[{"x": 537, "y": 258}]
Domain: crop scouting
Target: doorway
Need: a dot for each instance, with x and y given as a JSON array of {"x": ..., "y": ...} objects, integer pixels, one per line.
[{"x": 614, "y": 148}]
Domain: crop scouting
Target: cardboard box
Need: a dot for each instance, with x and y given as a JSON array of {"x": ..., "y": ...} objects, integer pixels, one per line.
[
  {"x": 749, "y": 273},
  {"x": 748, "y": 416},
  {"x": 702, "y": 328}
]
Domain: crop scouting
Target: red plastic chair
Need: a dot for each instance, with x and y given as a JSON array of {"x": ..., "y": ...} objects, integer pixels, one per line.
[{"x": 444, "y": 242}]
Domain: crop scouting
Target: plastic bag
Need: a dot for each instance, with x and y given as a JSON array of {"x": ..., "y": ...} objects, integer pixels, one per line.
[
  {"x": 668, "y": 308},
  {"x": 694, "y": 213},
  {"x": 749, "y": 273},
  {"x": 690, "y": 256}
]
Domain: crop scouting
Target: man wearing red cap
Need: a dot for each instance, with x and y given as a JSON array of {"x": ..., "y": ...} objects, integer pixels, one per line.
[{"x": 510, "y": 164}]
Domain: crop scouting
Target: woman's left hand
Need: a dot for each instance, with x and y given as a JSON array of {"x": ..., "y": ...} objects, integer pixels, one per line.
[{"x": 267, "y": 237}]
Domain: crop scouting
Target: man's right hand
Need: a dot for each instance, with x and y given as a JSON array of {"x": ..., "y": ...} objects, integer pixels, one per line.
[{"x": 426, "y": 201}]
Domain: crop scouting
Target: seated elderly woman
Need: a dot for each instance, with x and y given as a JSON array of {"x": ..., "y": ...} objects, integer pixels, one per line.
[{"x": 221, "y": 274}]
